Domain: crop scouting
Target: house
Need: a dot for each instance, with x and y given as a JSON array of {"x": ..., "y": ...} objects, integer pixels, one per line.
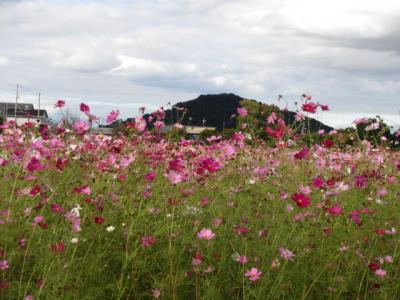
[{"x": 25, "y": 112}]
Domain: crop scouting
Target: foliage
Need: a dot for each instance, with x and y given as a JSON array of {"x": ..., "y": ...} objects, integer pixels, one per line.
[{"x": 206, "y": 134}]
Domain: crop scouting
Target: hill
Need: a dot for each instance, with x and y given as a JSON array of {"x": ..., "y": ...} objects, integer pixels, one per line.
[{"x": 217, "y": 111}]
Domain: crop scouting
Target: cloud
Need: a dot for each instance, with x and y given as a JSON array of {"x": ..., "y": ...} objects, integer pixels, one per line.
[
  {"x": 344, "y": 53},
  {"x": 4, "y": 61},
  {"x": 87, "y": 59}
]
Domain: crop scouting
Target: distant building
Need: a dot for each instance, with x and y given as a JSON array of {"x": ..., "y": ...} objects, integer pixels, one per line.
[
  {"x": 192, "y": 131},
  {"x": 25, "y": 113}
]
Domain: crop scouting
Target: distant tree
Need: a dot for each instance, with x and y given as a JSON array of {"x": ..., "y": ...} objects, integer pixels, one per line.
[
  {"x": 258, "y": 112},
  {"x": 374, "y": 130},
  {"x": 206, "y": 134}
]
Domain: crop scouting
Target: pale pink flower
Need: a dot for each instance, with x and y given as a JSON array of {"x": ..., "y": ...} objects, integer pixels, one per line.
[
  {"x": 156, "y": 293},
  {"x": 140, "y": 124},
  {"x": 392, "y": 231},
  {"x": 242, "y": 111},
  {"x": 209, "y": 269},
  {"x": 4, "y": 264},
  {"x": 275, "y": 263},
  {"x": 306, "y": 190},
  {"x": 253, "y": 274},
  {"x": 389, "y": 259},
  {"x": 286, "y": 254},
  {"x": 174, "y": 177},
  {"x": 283, "y": 195},
  {"x": 242, "y": 259},
  {"x": 272, "y": 118},
  {"x": 380, "y": 272},
  {"x": 197, "y": 259},
  {"x": 159, "y": 124},
  {"x": 289, "y": 207},
  {"x": 178, "y": 126},
  {"x": 81, "y": 127},
  {"x": 217, "y": 222},
  {"x": 37, "y": 220},
  {"x": 206, "y": 234},
  {"x": 299, "y": 117}
]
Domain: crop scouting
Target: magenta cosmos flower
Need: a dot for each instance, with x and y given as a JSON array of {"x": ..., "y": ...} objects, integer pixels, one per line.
[
  {"x": 112, "y": 116},
  {"x": 206, "y": 234},
  {"x": 84, "y": 108},
  {"x": 59, "y": 104},
  {"x": 253, "y": 274}
]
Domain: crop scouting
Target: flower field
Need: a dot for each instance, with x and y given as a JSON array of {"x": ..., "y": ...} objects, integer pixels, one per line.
[{"x": 140, "y": 216}]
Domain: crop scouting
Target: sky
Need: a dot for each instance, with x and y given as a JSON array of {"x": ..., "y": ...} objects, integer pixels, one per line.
[{"x": 127, "y": 54}]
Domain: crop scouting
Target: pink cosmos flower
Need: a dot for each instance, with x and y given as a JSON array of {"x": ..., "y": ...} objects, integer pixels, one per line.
[
  {"x": 197, "y": 259},
  {"x": 242, "y": 259},
  {"x": 34, "y": 165},
  {"x": 174, "y": 177},
  {"x": 148, "y": 241},
  {"x": 253, "y": 274},
  {"x": 37, "y": 220},
  {"x": 81, "y": 127},
  {"x": 140, "y": 124},
  {"x": 286, "y": 254},
  {"x": 391, "y": 231},
  {"x": 159, "y": 124},
  {"x": 217, "y": 222},
  {"x": 272, "y": 118},
  {"x": 178, "y": 126},
  {"x": 318, "y": 182},
  {"x": 302, "y": 153},
  {"x": 150, "y": 176},
  {"x": 242, "y": 111},
  {"x": 361, "y": 182},
  {"x": 4, "y": 265},
  {"x": 83, "y": 190},
  {"x": 58, "y": 247},
  {"x": 306, "y": 190},
  {"x": 380, "y": 272},
  {"x": 206, "y": 234},
  {"x": 335, "y": 210},
  {"x": 156, "y": 293},
  {"x": 309, "y": 107},
  {"x": 389, "y": 259},
  {"x": 112, "y": 116},
  {"x": 299, "y": 117}
]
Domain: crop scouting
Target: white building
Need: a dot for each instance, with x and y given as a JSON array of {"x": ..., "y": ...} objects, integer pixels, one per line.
[{"x": 25, "y": 112}]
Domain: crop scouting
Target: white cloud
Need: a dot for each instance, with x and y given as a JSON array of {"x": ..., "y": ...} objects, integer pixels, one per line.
[
  {"x": 4, "y": 61},
  {"x": 87, "y": 59}
]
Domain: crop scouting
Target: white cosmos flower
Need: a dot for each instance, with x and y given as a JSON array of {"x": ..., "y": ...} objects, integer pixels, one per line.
[{"x": 110, "y": 228}]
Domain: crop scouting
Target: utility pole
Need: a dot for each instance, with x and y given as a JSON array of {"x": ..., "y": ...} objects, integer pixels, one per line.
[
  {"x": 38, "y": 112},
  {"x": 16, "y": 104}
]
